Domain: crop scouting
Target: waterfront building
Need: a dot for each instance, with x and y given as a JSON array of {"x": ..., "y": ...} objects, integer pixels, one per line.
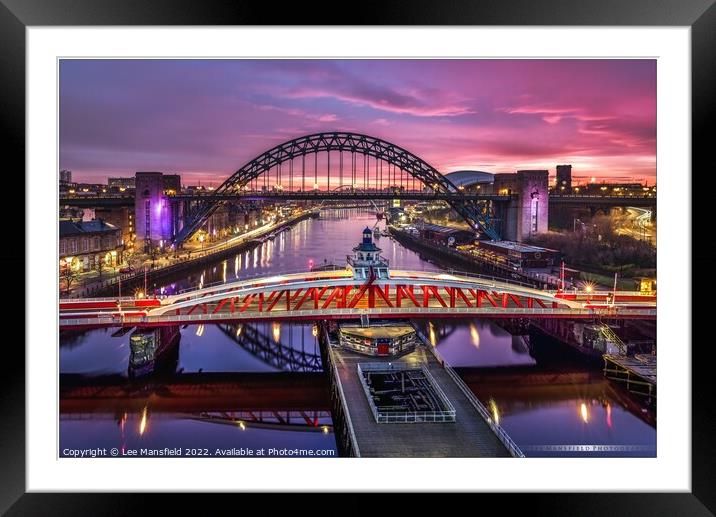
[
  {"x": 83, "y": 244},
  {"x": 563, "y": 182},
  {"x": 444, "y": 235},
  {"x": 121, "y": 184},
  {"x": 122, "y": 217},
  {"x": 518, "y": 256}
]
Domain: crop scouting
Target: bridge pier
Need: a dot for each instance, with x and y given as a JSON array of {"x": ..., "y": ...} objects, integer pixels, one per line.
[{"x": 152, "y": 209}]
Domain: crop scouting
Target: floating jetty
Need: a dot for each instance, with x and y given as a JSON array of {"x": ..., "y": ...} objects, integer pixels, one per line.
[
  {"x": 637, "y": 372},
  {"x": 457, "y": 426}
]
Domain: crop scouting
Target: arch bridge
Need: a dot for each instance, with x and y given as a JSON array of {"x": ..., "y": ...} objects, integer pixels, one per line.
[{"x": 363, "y": 162}]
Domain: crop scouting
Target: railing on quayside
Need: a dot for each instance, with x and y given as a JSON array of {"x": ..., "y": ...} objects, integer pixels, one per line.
[
  {"x": 505, "y": 438},
  {"x": 319, "y": 313},
  {"x": 341, "y": 396},
  {"x": 406, "y": 417},
  {"x": 199, "y": 254}
]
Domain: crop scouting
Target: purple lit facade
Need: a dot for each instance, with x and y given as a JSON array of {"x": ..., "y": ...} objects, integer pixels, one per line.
[{"x": 153, "y": 211}]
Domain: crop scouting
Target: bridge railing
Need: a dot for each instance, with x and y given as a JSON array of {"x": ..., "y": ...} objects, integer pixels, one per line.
[
  {"x": 343, "y": 417},
  {"x": 496, "y": 428},
  {"x": 615, "y": 312}
]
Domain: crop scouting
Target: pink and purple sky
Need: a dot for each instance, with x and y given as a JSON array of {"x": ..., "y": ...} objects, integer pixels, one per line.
[{"x": 206, "y": 118}]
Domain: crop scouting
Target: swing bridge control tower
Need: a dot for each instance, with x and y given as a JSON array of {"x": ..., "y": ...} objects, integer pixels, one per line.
[{"x": 377, "y": 338}]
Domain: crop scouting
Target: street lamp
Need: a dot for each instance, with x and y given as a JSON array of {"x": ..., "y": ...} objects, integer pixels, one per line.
[{"x": 589, "y": 288}]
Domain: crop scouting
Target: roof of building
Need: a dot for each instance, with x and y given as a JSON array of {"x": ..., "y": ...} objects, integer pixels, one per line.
[
  {"x": 441, "y": 229},
  {"x": 465, "y": 178},
  {"x": 68, "y": 228},
  {"x": 517, "y": 246},
  {"x": 374, "y": 332},
  {"x": 366, "y": 246}
]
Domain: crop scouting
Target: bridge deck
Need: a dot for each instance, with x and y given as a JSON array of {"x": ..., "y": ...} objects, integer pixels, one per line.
[{"x": 468, "y": 436}]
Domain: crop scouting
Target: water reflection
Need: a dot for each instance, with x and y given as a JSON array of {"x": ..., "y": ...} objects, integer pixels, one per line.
[
  {"x": 297, "y": 351},
  {"x": 174, "y": 410},
  {"x": 584, "y": 412},
  {"x": 248, "y": 429},
  {"x": 549, "y": 409},
  {"x": 262, "y": 346},
  {"x": 474, "y": 335},
  {"x": 153, "y": 350},
  {"x": 487, "y": 343}
]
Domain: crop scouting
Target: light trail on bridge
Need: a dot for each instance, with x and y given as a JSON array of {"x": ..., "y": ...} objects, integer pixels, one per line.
[{"x": 338, "y": 295}]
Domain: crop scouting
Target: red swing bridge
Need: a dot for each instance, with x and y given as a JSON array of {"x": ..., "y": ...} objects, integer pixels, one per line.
[{"x": 366, "y": 287}]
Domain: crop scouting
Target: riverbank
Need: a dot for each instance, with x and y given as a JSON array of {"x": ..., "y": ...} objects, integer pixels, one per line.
[
  {"x": 458, "y": 260},
  {"x": 133, "y": 281}
]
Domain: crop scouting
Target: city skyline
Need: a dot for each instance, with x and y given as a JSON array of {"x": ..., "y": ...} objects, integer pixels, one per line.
[{"x": 206, "y": 118}]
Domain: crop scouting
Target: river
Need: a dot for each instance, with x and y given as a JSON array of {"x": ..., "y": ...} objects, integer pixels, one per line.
[{"x": 544, "y": 417}]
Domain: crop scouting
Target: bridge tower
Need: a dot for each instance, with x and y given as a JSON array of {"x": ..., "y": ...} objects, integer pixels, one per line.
[
  {"x": 526, "y": 214},
  {"x": 366, "y": 262},
  {"x": 152, "y": 210}
]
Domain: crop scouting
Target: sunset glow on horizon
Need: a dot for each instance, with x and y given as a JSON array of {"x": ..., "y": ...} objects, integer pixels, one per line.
[{"x": 204, "y": 119}]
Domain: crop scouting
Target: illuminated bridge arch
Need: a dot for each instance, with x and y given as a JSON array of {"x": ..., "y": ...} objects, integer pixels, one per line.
[{"x": 403, "y": 169}]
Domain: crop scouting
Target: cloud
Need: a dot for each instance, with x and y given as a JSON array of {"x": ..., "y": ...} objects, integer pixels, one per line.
[
  {"x": 410, "y": 101},
  {"x": 203, "y": 117}
]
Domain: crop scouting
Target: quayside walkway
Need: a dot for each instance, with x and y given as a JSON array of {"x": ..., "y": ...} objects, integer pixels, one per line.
[{"x": 470, "y": 435}]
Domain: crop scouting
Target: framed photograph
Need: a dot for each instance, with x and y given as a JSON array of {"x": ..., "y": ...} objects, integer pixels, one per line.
[{"x": 329, "y": 257}]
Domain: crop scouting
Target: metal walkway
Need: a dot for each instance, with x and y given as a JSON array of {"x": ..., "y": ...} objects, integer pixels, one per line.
[{"x": 469, "y": 436}]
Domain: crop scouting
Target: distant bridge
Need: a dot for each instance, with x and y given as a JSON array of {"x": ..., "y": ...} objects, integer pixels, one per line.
[
  {"x": 359, "y": 194},
  {"x": 602, "y": 201},
  {"x": 341, "y": 194},
  {"x": 384, "y": 166}
]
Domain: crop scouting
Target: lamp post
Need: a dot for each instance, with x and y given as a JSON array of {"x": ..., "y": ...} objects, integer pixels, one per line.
[{"x": 588, "y": 289}]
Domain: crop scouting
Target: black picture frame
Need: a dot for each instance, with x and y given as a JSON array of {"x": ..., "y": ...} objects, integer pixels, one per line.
[{"x": 700, "y": 15}]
